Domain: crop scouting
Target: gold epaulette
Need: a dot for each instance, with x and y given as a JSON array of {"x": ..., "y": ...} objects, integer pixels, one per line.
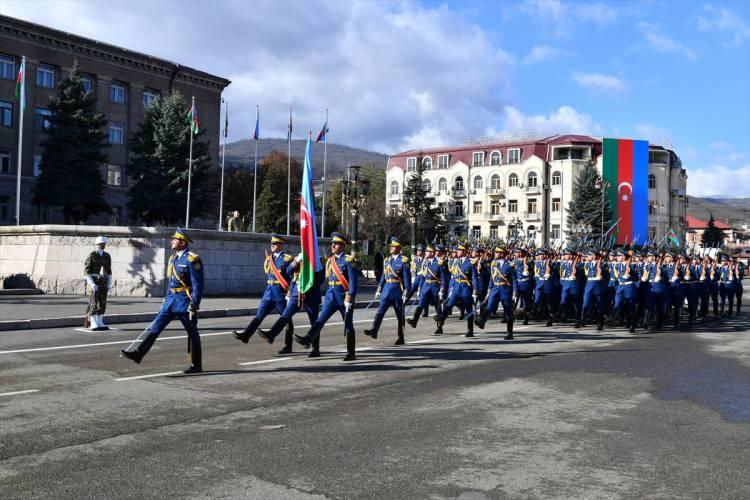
[
  {"x": 350, "y": 259},
  {"x": 287, "y": 257},
  {"x": 404, "y": 259},
  {"x": 193, "y": 257}
]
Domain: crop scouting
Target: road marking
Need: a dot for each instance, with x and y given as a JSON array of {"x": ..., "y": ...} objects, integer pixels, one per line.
[
  {"x": 86, "y": 330},
  {"x": 16, "y": 393},
  {"x": 265, "y": 361},
  {"x": 424, "y": 341},
  {"x": 152, "y": 375}
]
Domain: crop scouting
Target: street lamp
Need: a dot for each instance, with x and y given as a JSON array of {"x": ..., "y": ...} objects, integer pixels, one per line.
[{"x": 355, "y": 191}]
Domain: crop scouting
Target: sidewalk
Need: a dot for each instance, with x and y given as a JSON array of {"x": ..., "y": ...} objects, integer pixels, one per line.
[{"x": 25, "y": 312}]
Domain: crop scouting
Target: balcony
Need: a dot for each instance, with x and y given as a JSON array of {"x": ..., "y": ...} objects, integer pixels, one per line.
[
  {"x": 533, "y": 189},
  {"x": 454, "y": 217},
  {"x": 496, "y": 191},
  {"x": 458, "y": 193},
  {"x": 394, "y": 197},
  {"x": 494, "y": 217},
  {"x": 532, "y": 216}
]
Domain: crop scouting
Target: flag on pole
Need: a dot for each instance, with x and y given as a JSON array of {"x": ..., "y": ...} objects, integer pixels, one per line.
[
  {"x": 308, "y": 233},
  {"x": 323, "y": 132},
  {"x": 673, "y": 238},
  {"x": 192, "y": 116},
  {"x": 289, "y": 131},
  {"x": 256, "y": 134},
  {"x": 21, "y": 84},
  {"x": 625, "y": 170}
]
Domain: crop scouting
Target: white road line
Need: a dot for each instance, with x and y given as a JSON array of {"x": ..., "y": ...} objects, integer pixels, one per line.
[
  {"x": 262, "y": 361},
  {"x": 425, "y": 341},
  {"x": 16, "y": 393},
  {"x": 85, "y": 330},
  {"x": 152, "y": 375}
]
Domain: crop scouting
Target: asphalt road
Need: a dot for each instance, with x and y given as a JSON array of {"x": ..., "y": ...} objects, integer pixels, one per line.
[{"x": 556, "y": 413}]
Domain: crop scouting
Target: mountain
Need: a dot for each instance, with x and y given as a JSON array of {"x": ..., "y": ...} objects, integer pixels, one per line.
[
  {"x": 240, "y": 154},
  {"x": 733, "y": 211}
]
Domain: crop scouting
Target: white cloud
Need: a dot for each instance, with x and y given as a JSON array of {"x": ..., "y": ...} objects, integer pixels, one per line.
[
  {"x": 720, "y": 179},
  {"x": 390, "y": 73},
  {"x": 541, "y": 53},
  {"x": 560, "y": 19},
  {"x": 652, "y": 133},
  {"x": 598, "y": 81},
  {"x": 724, "y": 21},
  {"x": 564, "y": 120},
  {"x": 661, "y": 43}
]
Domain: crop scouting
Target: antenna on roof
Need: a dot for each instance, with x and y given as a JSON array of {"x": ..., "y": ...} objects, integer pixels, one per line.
[{"x": 668, "y": 143}]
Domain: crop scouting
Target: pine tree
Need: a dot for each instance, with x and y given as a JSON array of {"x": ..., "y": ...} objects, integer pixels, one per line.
[
  {"x": 587, "y": 204},
  {"x": 159, "y": 166},
  {"x": 70, "y": 171},
  {"x": 272, "y": 200},
  {"x": 713, "y": 237},
  {"x": 417, "y": 202}
]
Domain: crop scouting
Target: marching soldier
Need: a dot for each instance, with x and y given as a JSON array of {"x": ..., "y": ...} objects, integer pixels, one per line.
[
  {"x": 592, "y": 292},
  {"x": 185, "y": 288},
  {"x": 97, "y": 271},
  {"x": 674, "y": 291},
  {"x": 523, "y": 285},
  {"x": 626, "y": 291},
  {"x": 739, "y": 269},
  {"x": 395, "y": 280},
  {"x": 502, "y": 281},
  {"x": 571, "y": 293},
  {"x": 463, "y": 292},
  {"x": 416, "y": 273},
  {"x": 543, "y": 284},
  {"x": 727, "y": 275},
  {"x": 278, "y": 269},
  {"x": 341, "y": 275},
  {"x": 690, "y": 269},
  {"x": 434, "y": 277},
  {"x": 653, "y": 273}
]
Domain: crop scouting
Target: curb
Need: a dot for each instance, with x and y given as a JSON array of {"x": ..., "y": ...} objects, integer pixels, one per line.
[
  {"x": 114, "y": 319},
  {"x": 21, "y": 291}
]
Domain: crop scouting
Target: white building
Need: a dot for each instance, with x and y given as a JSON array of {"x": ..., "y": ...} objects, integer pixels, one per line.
[{"x": 481, "y": 189}]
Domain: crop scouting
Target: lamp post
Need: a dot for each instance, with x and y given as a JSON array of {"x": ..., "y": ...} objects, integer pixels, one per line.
[{"x": 355, "y": 194}]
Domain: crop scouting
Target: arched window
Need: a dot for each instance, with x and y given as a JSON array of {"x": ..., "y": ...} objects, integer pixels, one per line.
[
  {"x": 442, "y": 185},
  {"x": 478, "y": 182},
  {"x": 556, "y": 178},
  {"x": 394, "y": 187},
  {"x": 458, "y": 183},
  {"x": 531, "y": 180},
  {"x": 426, "y": 186},
  {"x": 495, "y": 182},
  {"x": 651, "y": 181},
  {"x": 495, "y": 158},
  {"x": 513, "y": 180},
  {"x": 427, "y": 163}
]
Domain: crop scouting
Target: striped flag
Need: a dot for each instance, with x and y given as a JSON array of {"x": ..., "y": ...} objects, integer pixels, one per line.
[
  {"x": 192, "y": 116},
  {"x": 256, "y": 134},
  {"x": 673, "y": 238},
  {"x": 21, "y": 84},
  {"x": 625, "y": 170},
  {"x": 323, "y": 132},
  {"x": 308, "y": 233}
]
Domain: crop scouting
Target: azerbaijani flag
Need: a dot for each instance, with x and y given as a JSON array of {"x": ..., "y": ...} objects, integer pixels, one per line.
[
  {"x": 625, "y": 170},
  {"x": 256, "y": 134},
  {"x": 673, "y": 238},
  {"x": 21, "y": 84},
  {"x": 192, "y": 117},
  {"x": 323, "y": 132},
  {"x": 308, "y": 233}
]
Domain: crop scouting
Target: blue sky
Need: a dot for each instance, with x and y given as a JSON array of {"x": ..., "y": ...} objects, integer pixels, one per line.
[{"x": 400, "y": 75}]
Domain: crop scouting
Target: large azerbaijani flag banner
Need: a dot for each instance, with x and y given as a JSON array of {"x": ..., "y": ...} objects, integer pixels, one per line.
[
  {"x": 307, "y": 228},
  {"x": 625, "y": 170}
]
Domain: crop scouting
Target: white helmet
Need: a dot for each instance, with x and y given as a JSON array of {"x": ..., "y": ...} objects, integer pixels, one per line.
[{"x": 101, "y": 239}]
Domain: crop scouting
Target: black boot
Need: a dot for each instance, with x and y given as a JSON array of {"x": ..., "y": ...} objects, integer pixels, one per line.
[
  {"x": 439, "y": 320},
  {"x": 509, "y": 330},
  {"x": 549, "y": 320},
  {"x": 400, "y": 332},
  {"x": 481, "y": 320},
  {"x": 373, "y": 330},
  {"x": 315, "y": 352},
  {"x": 415, "y": 319},
  {"x": 600, "y": 323},
  {"x": 469, "y": 328},
  {"x": 350, "y": 347},
  {"x": 271, "y": 334},
  {"x": 196, "y": 356},
  {"x": 525, "y": 315},
  {"x": 244, "y": 335}
]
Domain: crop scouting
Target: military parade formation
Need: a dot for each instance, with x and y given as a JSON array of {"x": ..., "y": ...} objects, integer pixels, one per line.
[{"x": 636, "y": 288}]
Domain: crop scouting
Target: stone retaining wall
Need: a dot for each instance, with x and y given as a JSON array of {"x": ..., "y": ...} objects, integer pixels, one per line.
[{"x": 50, "y": 258}]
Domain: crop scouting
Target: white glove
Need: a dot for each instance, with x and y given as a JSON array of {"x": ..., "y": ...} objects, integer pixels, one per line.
[
  {"x": 441, "y": 295},
  {"x": 377, "y": 295},
  {"x": 286, "y": 297},
  {"x": 95, "y": 288},
  {"x": 298, "y": 258},
  {"x": 403, "y": 297},
  {"x": 109, "y": 282},
  {"x": 347, "y": 306},
  {"x": 474, "y": 296}
]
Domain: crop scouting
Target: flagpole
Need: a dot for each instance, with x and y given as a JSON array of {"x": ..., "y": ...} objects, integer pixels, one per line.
[
  {"x": 190, "y": 164},
  {"x": 325, "y": 155},
  {"x": 223, "y": 155},
  {"x": 289, "y": 178},
  {"x": 255, "y": 163},
  {"x": 22, "y": 105}
]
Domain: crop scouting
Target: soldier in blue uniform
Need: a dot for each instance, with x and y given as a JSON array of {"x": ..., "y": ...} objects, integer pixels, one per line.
[
  {"x": 465, "y": 281},
  {"x": 570, "y": 297},
  {"x": 434, "y": 276},
  {"x": 592, "y": 292},
  {"x": 483, "y": 271},
  {"x": 626, "y": 277},
  {"x": 653, "y": 273},
  {"x": 310, "y": 302},
  {"x": 524, "y": 280},
  {"x": 690, "y": 269},
  {"x": 341, "y": 276},
  {"x": 726, "y": 273},
  {"x": 278, "y": 269},
  {"x": 703, "y": 277},
  {"x": 502, "y": 281},
  {"x": 674, "y": 291},
  {"x": 416, "y": 273},
  {"x": 184, "y": 292},
  {"x": 713, "y": 284},
  {"x": 395, "y": 280},
  {"x": 739, "y": 274},
  {"x": 544, "y": 287}
]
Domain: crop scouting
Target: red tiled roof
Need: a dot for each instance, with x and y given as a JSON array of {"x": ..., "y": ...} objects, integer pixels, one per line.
[{"x": 696, "y": 223}]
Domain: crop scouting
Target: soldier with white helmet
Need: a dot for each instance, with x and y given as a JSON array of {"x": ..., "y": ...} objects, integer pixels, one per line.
[{"x": 97, "y": 271}]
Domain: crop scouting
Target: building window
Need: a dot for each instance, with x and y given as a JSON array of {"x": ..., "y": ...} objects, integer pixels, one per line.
[
  {"x": 427, "y": 163},
  {"x": 556, "y": 178},
  {"x": 7, "y": 67},
  {"x": 37, "y": 165},
  {"x": 531, "y": 232},
  {"x": 477, "y": 159},
  {"x": 4, "y": 212},
  {"x": 493, "y": 232},
  {"x": 116, "y": 133},
  {"x": 555, "y": 204},
  {"x": 394, "y": 187},
  {"x": 476, "y": 231},
  {"x": 42, "y": 118},
  {"x": 458, "y": 184},
  {"x": 651, "y": 208},
  {"x": 114, "y": 175},
  {"x": 651, "y": 233},
  {"x": 477, "y": 208},
  {"x": 117, "y": 92},
  {"x": 45, "y": 76},
  {"x": 4, "y": 161},
  {"x": 531, "y": 180},
  {"x": 442, "y": 161},
  {"x": 411, "y": 164},
  {"x": 442, "y": 208},
  {"x": 88, "y": 84},
  {"x": 514, "y": 155},
  {"x": 442, "y": 185},
  {"x": 149, "y": 96},
  {"x": 513, "y": 180},
  {"x": 495, "y": 182},
  {"x": 478, "y": 182},
  {"x": 459, "y": 209},
  {"x": 394, "y": 209},
  {"x": 495, "y": 208},
  {"x": 115, "y": 217},
  {"x": 555, "y": 232},
  {"x": 651, "y": 181},
  {"x": 571, "y": 153},
  {"x": 6, "y": 114},
  {"x": 531, "y": 205},
  {"x": 495, "y": 158},
  {"x": 513, "y": 206},
  {"x": 426, "y": 186}
]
